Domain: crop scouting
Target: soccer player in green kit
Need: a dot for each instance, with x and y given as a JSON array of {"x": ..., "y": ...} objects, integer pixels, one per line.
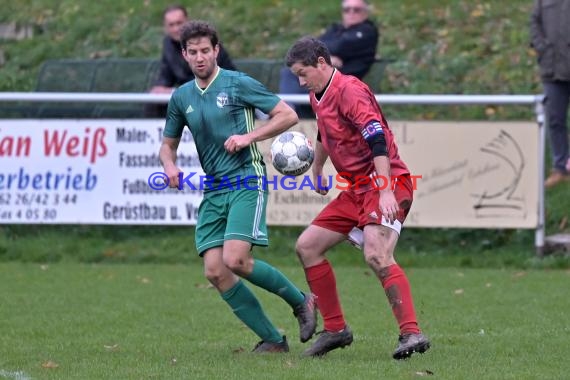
[{"x": 218, "y": 107}]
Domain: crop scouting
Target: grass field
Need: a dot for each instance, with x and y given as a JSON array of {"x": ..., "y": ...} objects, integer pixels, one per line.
[
  {"x": 93, "y": 321},
  {"x": 120, "y": 302}
]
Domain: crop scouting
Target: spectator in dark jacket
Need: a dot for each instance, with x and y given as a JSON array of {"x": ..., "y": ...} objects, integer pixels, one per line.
[
  {"x": 174, "y": 70},
  {"x": 550, "y": 37},
  {"x": 352, "y": 44}
]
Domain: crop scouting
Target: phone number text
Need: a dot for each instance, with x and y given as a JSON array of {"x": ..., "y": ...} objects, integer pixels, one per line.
[{"x": 36, "y": 199}]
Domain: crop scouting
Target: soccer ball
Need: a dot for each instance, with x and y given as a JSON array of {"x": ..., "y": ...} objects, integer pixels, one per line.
[{"x": 292, "y": 153}]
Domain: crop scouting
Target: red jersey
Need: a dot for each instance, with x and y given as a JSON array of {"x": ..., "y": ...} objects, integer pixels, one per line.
[{"x": 346, "y": 112}]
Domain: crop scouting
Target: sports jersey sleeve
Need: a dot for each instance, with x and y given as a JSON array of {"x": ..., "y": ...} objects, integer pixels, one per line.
[
  {"x": 358, "y": 106},
  {"x": 175, "y": 119},
  {"x": 255, "y": 94}
]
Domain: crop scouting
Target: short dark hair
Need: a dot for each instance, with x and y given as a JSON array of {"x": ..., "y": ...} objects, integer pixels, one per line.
[
  {"x": 307, "y": 51},
  {"x": 174, "y": 7},
  {"x": 196, "y": 29}
]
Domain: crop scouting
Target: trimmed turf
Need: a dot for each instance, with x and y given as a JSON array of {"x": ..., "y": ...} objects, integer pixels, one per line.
[{"x": 93, "y": 321}]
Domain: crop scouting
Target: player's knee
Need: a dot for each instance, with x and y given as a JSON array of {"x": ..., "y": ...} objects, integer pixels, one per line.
[
  {"x": 307, "y": 252},
  {"x": 303, "y": 247},
  {"x": 373, "y": 261},
  {"x": 216, "y": 276},
  {"x": 238, "y": 264},
  {"x": 378, "y": 259}
]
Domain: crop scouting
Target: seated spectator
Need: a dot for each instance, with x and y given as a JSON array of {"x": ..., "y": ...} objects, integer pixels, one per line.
[
  {"x": 174, "y": 71},
  {"x": 352, "y": 44}
]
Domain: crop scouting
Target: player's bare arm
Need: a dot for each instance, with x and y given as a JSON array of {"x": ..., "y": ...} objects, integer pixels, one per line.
[
  {"x": 374, "y": 135},
  {"x": 281, "y": 118},
  {"x": 167, "y": 155},
  {"x": 321, "y": 157}
]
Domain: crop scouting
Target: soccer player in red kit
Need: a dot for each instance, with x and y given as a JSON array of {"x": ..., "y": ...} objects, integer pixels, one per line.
[{"x": 353, "y": 132}]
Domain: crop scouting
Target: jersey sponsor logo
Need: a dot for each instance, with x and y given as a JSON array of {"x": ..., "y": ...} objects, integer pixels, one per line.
[
  {"x": 371, "y": 129},
  {"x": 189, "y": 109},
  {"x": 222, "y": 100}
]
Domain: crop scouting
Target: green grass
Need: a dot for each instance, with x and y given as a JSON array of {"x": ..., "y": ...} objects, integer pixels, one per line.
[
  {"x": 80, "y": 296},
  {"x": 162, "y": 322},
  {"x": 418, "y": 248},
  {"x": 77, "y": 299}
]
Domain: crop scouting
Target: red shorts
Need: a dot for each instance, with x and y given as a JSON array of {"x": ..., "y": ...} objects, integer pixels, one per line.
[{"x": 350, "y": 209}]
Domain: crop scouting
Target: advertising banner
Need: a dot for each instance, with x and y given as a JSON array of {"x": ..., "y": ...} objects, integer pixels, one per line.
[{"x": 469, "y": 174}]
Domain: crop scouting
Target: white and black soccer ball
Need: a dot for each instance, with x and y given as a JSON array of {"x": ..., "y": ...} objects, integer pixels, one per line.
[{"x": 292, "y": 153}]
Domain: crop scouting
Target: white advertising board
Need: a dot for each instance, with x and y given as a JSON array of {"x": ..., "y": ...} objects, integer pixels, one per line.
[{"x": 473, "y": 174}]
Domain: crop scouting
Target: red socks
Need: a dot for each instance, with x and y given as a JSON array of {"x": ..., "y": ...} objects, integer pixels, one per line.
[
  {"x": 322, "y": 282},
  {"x": 399, "y": 295}
]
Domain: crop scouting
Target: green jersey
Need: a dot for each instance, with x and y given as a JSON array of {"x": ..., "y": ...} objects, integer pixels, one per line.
[{"x": 225, "y": 108}]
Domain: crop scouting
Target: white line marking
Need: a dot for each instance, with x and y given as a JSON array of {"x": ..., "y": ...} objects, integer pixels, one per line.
[{"x": 17, "y": 375}]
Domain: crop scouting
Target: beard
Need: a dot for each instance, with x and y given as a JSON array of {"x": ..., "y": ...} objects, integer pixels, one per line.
[{"x": 206, "y": 72}]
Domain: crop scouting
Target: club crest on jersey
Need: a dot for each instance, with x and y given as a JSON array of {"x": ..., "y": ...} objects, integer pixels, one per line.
[
  {"x": 371, "y": 129},
  {"x": 222, "y": 100}
]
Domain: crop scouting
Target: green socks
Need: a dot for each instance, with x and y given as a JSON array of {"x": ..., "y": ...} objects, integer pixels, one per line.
[
  {"x": 246, "y": 307},
  {"x": 267, "y": 277}
]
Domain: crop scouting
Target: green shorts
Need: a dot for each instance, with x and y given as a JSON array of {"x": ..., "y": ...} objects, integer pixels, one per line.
[{"x": 233, "y": 215}]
